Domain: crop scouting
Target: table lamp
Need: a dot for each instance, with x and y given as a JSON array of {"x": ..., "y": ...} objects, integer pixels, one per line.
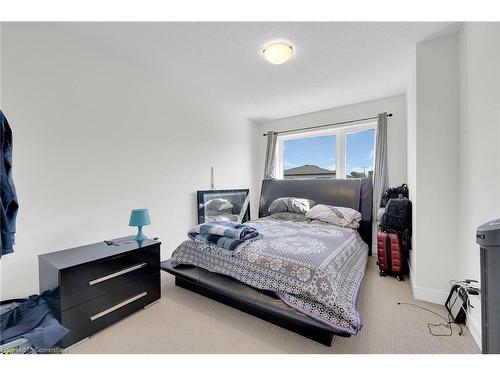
[{"x": 139, "y": 218}]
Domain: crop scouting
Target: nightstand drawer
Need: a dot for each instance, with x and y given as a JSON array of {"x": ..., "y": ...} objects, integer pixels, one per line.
[
  {"x": 92, "y": 316},
  {"x": 88, "y": 281}
]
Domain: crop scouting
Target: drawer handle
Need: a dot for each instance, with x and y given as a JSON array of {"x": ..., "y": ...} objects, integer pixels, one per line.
[
  {"x": 118, "y": 306},
  {"x": 116, "y": 274}
]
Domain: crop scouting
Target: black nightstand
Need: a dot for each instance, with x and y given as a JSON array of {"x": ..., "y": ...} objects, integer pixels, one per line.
[{"x": 96, "y": 285}]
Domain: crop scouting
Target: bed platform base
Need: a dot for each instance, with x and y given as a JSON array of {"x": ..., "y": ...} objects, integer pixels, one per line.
[{"x": 261, "y": 304}]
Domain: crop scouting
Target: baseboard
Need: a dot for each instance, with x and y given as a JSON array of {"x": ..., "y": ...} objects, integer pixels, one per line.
[
  {"x": 430, "y": 295},
  {"x": 475, "y": 331},
  {"x": 425, "y": 294},
  {"x": 474, "y": 319}
]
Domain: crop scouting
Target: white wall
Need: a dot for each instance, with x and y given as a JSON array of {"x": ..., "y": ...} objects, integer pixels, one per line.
[
  {"x": 479, "y": 137},
  {"x": 434, "y": 176},
  {"x": 396, "y": 134},
  {"x": 479, "y": 146},
  {"x": 94, "y": 137}
]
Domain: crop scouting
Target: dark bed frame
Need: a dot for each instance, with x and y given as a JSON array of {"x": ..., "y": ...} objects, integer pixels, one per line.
[{"x": 353, "y": 193}]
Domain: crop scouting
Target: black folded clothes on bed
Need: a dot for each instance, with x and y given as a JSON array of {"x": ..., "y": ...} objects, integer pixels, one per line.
[{"x": 225, "y": 234}]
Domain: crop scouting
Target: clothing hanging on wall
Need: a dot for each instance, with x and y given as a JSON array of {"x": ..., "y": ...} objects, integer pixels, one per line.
[{"x": 8, "y": 198}]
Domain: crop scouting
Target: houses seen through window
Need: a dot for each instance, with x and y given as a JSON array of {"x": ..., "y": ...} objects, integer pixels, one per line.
[{"x": 312, "y": 157}]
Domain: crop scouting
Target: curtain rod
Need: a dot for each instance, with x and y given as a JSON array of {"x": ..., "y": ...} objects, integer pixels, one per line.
[{"x": 326, "y": 125}]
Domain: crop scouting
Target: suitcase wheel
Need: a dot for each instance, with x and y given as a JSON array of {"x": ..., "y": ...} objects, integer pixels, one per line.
[
  {"x": 382, "y": 273},
  {"x": 400, "y": 277},
  {"x": 378, "y": 263}
]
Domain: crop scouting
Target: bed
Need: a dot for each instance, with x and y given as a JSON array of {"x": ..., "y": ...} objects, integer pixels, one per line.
[{"x": 301, "y": 275}]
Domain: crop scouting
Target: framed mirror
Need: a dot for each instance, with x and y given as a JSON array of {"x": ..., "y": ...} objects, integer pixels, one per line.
[{"x": 223, "y": 205}]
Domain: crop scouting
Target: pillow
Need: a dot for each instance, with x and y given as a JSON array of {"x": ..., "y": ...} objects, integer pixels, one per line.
[
  {"x": 291, "y": 204},
  {"x": 339, "y": 216},
  {"x": 219, "y": 205}
]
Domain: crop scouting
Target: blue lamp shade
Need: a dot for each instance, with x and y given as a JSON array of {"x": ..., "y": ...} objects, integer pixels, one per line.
[{"x": 139, "y": 218}]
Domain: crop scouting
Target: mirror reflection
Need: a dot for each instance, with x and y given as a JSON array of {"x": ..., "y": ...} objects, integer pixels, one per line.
[{"x": 223, "y": 205}]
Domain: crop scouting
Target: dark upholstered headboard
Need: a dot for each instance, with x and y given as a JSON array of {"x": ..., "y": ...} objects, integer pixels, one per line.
[{"x": 355, "y": 193}]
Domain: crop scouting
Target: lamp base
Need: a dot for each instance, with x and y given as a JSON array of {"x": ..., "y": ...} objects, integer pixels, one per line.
[{"x": 140, "y": 236}]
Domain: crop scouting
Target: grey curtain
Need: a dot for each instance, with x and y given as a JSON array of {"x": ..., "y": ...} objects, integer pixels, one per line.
[
  {"x": 380, "y": 176},
  {"x": 270, "y": 167}
]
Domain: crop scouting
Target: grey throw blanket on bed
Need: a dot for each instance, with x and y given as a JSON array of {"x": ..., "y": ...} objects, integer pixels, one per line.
[
  {"x": 314, "y": 268},
  {"x": 226, "y": 234}
]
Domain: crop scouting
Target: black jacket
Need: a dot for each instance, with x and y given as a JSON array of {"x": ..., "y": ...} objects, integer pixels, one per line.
[{"x": 8, "y": 198}]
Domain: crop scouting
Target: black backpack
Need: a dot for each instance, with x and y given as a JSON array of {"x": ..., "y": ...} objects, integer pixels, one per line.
[
  {"x": 397, "y": 192},
  {"x": 397, "y": 219}
]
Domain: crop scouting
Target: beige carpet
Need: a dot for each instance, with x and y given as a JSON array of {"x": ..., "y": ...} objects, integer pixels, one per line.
[{"x": 185, "y": 322}]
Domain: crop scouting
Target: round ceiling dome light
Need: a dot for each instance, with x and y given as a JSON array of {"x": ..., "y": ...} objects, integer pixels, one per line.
[{"x": 278, "y": 53}]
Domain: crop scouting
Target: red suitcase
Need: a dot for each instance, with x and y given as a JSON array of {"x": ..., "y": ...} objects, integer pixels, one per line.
[{"x": 391, "y": 255}]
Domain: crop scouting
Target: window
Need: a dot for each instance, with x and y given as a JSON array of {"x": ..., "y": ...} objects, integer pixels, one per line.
[
  {"x": 337, "y": 152},
  {"x": 360, "y": 153},
  {"x": 312, "y": 157}
]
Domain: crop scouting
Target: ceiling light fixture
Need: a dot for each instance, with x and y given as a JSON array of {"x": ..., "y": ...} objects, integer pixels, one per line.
[{"x": 278, "y": 53}]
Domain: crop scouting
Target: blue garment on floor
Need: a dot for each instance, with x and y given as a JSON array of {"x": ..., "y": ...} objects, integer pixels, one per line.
[
  {"x": 33, "y": 320},
  {"x": 8, "y": 198}
]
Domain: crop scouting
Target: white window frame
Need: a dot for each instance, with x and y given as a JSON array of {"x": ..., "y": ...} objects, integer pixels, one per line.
[{"x": 340, "y": 132}]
